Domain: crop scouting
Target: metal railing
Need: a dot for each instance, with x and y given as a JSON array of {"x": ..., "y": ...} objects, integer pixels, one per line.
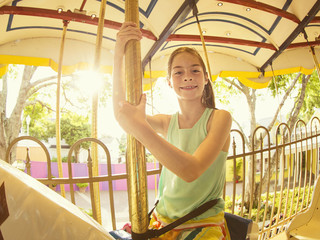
[{"x": 271, "y": 182}]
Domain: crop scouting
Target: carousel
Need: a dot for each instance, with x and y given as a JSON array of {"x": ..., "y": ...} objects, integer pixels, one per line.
[{"x": 253, "y": 41}]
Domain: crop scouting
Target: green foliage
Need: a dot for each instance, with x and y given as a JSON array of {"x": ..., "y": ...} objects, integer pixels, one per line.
[
  {"x": 87, "y": 211},
  {"x": 283, "y": 83},
  {"x": 72, "y": 126},
  {"x": 75, "y": 127},
  {"x": 80, "y": 185},
  {"x": 311, "y": 101},
  {"x": 13, "y": 71},
  {"x": 54, "y": 184},
  {"x": 225, "y": 90},
  {"x": 39, "y": 119},
  {"x": 150, "y": 157},
  {"x": 238, "y": 167},
  {"x": 63, "y": 159},
  {"x": 267, "y": 204},
  {"x": 75, "y": 99}
]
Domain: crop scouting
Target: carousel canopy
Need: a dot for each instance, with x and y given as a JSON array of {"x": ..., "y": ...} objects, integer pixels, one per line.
[{"x": 248, "y": 39}]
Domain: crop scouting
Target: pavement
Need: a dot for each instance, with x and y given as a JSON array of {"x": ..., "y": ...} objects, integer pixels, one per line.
[{"x": 83, "y": 201}]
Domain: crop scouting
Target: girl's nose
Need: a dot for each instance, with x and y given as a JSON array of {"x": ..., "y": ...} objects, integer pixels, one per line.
[{"x": 187, "y": 78}]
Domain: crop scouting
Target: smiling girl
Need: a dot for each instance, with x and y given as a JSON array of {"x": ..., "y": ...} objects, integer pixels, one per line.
[{"x": 192, "y": 149}]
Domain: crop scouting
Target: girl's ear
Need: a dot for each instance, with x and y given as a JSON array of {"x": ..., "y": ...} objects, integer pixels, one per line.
[
  {"x": 207, "y": 77},
  {"x": 169, "y": 82}
]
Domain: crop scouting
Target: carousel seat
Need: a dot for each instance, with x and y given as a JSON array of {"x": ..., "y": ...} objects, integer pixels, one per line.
[
  {"x": 305, "y": 225},
  {"x": 30, "y": 210},
  {"x": 241, "y": 228}
]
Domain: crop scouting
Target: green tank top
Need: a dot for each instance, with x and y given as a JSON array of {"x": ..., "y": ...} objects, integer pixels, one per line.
[{"x": 178, "y": 197}]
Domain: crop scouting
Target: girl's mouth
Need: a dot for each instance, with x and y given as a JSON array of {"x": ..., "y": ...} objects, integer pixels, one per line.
[{"x": 188, "y": 87}]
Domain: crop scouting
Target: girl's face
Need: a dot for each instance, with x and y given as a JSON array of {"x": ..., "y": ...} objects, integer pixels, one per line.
[{"x": 187, "y": 77}]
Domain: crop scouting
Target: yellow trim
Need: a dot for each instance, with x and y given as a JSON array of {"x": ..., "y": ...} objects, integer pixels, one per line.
[
  {"x": 8, "y": 59},
  {"x": 239, "y": 74},
  {"x": 147, "y": 86},
  {"x": 290, "y": 70},
  {"x": 47, "y": 62},
  {"x": 3, "y": 70},
  {"x": 155, "y": 74},
  {"x": 244, "y": 77},
  {"x": 253, "y": 84}
]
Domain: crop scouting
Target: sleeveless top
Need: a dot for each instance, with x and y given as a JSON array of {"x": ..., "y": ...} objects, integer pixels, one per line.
[{"x": 178, "y": 197}]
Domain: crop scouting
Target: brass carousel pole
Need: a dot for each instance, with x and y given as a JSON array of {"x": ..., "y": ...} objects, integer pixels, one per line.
[
  {"x": 314, "y": 57},
  {"x": 315, "y": 60},
  {"x": 58, "y": 133},
  {"x": 136, "y": 163},
  {"x": 94, "y": 128}
]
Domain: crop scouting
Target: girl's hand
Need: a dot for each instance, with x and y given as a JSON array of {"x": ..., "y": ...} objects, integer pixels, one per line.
[
  {"x": 128, "y": 31},
  {"x": 132, "y": 118}
]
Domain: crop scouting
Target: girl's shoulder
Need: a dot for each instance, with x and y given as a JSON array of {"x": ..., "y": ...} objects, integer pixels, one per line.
[{"x": 219, "y": 115}]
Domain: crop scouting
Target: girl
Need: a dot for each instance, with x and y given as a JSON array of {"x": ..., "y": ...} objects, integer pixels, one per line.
[{"x": 193, "y": 146}]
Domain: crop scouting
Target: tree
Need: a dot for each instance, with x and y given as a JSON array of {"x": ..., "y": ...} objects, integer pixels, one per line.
[
  {"x": 10, "y": 125},
  {"x": 296, "y": 85},
  {"x": 34, "y": 96},
  {"x": 73, "y": 128},
  {"x": 41, "y": 126}
]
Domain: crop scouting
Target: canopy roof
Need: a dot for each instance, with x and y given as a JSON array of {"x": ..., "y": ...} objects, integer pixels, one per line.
[{"x": 243, "y": 37}]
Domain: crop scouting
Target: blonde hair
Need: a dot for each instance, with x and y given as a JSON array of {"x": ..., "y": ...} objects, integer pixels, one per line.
[{"x": 208, "y": 94}]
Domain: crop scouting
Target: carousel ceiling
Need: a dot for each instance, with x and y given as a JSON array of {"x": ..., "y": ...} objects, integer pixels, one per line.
[{"x": 247, "y": 39}]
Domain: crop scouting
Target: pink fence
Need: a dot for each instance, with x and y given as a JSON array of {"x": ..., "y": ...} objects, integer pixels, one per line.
[{"x": 39, "y": 170}]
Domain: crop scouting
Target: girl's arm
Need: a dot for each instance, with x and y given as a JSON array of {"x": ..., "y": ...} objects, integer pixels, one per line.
[
  {"x": 145, "y": 128},
  {"x": 186, "y": 166}
]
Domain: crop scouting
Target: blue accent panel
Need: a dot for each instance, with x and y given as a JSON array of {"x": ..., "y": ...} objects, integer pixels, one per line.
[
  {"x": 227, "y": 21},
  {"x": 232, "y": 22},
  {"x": 313, "y": 25},
  {"x": 115, "y": 6},
  {"x": 9, "y": 23},
  {"x": 150, "y": 7},
  {"x": 145, "y": 13},
  {"x": 212, "y": 45},
  {"x": 276, "y": 22},
  {"x": 14, "y": 3},
  {"x": 60, "y": 29},
  {"x": 233, "y": 15},
  {"x": 274, "y": 25}
]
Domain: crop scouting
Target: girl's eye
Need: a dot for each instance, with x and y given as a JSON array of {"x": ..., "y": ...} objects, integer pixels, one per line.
[
  {"x": 177, "y": 73},
  {"x": 196, "y": 70}
]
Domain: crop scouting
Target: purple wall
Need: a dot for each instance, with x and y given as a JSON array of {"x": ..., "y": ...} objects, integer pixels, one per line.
[{"x": 39, "y": 170}]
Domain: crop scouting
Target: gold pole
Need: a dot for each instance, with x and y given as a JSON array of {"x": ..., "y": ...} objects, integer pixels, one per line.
[
  {"x": 152, "y": 112},
  {"x": 58, "y": 134},
  {"x": 315, "y": 60},
  {"x": 204, "y": 47},
  {"x": 136, "y": 162},
  {"x": 94, "y": 128}
]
